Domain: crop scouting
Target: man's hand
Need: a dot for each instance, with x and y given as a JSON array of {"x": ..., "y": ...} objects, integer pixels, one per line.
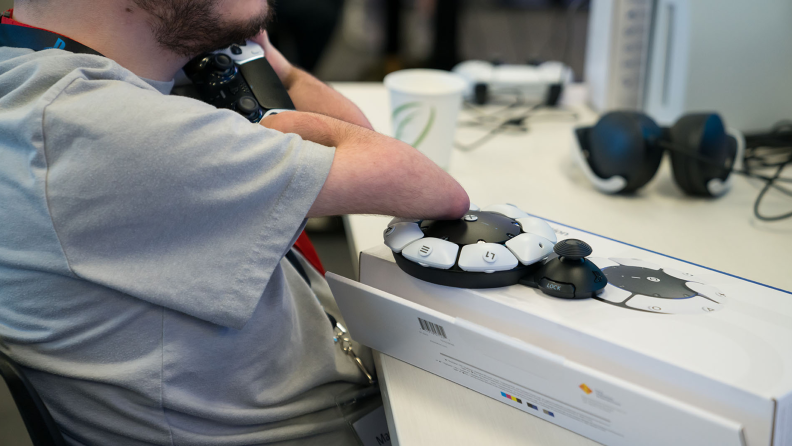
[
  {"x": 374, "y": 174},
  {"x": 308, "y": 93},
  {"x": 283, "y": 68}
]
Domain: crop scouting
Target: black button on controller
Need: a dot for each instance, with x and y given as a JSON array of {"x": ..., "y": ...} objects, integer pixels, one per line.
[
  {"x": 247, "y": 105},
  {"x": 557, "y": 289},
  {"x": 222, "y": 63},
  {"x": 235, "y": 49}
]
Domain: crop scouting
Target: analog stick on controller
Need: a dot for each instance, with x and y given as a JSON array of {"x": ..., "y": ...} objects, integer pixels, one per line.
[{"x": 570, "y": 275}]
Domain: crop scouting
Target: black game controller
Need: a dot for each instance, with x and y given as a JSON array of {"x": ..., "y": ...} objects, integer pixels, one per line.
[
  {"x": 237, "y": 78},
  {"x": 498, "y": 246}
]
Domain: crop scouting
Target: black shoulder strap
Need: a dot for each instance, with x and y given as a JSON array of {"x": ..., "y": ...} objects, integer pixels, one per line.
[{"x": 38, "y": 39}]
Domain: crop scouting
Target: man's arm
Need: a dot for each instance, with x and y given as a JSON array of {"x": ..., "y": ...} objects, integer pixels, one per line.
[
  {"x": 308, "y": 93},
  {"x": 373, "y": 173}
]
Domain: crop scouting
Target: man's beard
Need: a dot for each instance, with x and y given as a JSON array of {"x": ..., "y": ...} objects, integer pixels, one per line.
[{"x": 192, "y": 27}]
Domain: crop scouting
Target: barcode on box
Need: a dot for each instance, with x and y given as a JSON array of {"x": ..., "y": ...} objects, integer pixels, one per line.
[{"x": 432, "y": 328}]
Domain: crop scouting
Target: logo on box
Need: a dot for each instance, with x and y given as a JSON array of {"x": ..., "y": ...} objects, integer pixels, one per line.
[{"x": 585, "y": 388}]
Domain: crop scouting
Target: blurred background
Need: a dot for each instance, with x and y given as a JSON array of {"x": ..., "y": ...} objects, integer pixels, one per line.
[{"x": 362, "y": 40}]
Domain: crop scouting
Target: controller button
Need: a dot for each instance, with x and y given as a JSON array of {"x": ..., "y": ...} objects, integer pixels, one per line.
[
  {"x": 557, "y": 289},
  {"x": 402, "y": 220},
  {"x": 402, "y": 235},
  {"x": 431, "y": 252},
  {"x": 235, "y": 49},
  {"x": 572, "y": 249},
  {"x": 509, "y": 210},
  {"x": 222, "y": 63},
  {"x": 470, "y": 217},
  {"x": 247, "y": 105},
  {"x": 486, "y": 257},
  {"x": 530, "y": 248},
  {"x": 537, "y": 226}
]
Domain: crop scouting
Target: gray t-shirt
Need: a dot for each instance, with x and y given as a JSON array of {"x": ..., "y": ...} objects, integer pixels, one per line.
[{"x": 141, "y": 273}]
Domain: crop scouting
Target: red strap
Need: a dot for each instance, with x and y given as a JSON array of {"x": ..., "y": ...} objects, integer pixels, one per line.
[
  {"x": 305, "y": 247},
  {"x": 9, "y": 21}
]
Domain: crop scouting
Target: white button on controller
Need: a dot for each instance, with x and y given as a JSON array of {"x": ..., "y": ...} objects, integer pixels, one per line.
[
  {"x": 401, "y": 234},
  {"x": 537, "y": 226},
  {"x": 508, "y": 210},
  {"x": 530, "y": 248},
  {"x": 486, "y": 257},
  {"x": 402, "y": 220},
  {"x": 433, "y": 252}
]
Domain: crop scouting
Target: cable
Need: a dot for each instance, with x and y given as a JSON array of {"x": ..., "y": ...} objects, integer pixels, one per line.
[
  {"x": 766, "y": 151},
  {"x": 498, "y": 124}
]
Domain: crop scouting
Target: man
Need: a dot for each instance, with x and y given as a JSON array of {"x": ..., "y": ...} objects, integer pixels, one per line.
[{"x": 142, "y": 235}]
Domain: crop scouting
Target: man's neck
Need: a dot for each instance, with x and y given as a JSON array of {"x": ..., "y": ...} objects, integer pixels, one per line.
[{"x": 124, "y": 36}]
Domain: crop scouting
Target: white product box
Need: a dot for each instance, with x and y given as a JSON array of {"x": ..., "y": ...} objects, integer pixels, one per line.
[{"x": 712, "y": 365}]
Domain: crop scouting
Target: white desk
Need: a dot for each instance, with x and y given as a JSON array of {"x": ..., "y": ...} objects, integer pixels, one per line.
[{"x": 534, "y": 172}]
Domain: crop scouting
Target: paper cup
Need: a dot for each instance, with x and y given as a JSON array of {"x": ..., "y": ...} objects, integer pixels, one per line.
[{"x": 424, "y": 109}]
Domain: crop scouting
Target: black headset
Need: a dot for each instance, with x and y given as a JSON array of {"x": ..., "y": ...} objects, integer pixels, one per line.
[{"x": 623, "y": 150}]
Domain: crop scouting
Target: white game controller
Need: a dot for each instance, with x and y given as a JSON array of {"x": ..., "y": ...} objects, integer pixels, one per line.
[{"x": 486, "y": 81}]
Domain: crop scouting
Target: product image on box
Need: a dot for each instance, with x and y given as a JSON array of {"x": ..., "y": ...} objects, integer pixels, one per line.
[{"x": 644, "y": 286}]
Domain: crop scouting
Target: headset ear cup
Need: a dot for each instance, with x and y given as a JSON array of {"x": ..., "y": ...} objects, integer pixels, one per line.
[
  {"x": 701, "y": 135},
  {"x": 679, "y": 166},
  {"x": 624, "y": 143},
  {"x": 580, "y": 154}
]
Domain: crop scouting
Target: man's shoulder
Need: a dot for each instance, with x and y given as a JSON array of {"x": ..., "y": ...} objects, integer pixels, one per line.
[{"x": 45, "y": 74}]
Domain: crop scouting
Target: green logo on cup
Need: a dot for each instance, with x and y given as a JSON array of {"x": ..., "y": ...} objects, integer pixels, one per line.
[{"x": 404, "y": 114}]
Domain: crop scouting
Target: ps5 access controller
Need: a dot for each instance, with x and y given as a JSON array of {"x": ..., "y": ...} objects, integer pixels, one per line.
[{"x": 500, "y": 245}]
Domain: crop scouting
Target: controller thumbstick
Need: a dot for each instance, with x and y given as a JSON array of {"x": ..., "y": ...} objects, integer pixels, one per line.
[
  {"x": 247, "y": 106},
  {"x": 572, "y": 249},
  {"x": 222, "y": 63}
]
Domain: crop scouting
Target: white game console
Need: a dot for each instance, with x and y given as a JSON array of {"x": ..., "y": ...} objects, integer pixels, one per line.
[{"x": 669, "y": 353}]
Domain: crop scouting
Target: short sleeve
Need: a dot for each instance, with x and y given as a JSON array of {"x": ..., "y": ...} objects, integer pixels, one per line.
[{"x": 172, "y": 201}]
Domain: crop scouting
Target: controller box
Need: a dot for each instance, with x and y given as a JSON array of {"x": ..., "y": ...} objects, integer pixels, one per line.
[{"x": 669, "y": 353}]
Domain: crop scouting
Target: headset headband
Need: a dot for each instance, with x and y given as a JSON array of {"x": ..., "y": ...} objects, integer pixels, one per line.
[{"x": 38, "y": 40}]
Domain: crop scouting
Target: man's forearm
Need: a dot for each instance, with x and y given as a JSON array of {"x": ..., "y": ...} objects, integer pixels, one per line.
[
  {"x": 312, "y": 95},
  {"x": 374, "y": 174},
  {"x": 308, "y": 93}
]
